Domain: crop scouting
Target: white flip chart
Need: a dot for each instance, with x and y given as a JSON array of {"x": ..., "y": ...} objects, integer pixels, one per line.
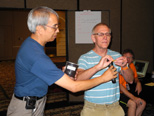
[{"x": 84, "y": 22}]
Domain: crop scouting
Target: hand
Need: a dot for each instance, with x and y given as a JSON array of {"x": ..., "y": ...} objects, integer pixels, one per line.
[
  {"x": 110, "y": 74},
  {"x": 138, "y": 88},
  {"x": 76, "y": 74},
  {"x": 121, "y": 61},
  {"x": 104, "y": 62},
  {"x": 63, "y": 68},
  {"x": 138, "y": 101},
  {"x": 73, "y": 78}
]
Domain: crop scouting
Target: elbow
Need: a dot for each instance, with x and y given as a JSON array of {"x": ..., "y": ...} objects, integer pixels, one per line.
[
  {"x": 75, "y": 89},
  {"x": 131, "y": 82},
  {"x": 132, "y": 79}
]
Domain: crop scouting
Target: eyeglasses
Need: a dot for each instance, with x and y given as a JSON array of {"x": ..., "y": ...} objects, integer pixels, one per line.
[
  {"x": 55, "y": 27},
  {"x": 102, "y": 34},
  {"x": 129, "y": 57}
]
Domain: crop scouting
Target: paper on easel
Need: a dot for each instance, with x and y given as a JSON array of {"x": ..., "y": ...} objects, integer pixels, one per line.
[{"x": 84, "y": 22}]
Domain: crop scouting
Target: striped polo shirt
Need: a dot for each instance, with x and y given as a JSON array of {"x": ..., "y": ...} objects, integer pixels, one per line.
[{"x": 106, "y": 93}]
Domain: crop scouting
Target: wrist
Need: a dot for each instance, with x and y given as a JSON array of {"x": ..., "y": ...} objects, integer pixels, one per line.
[
  {"x": 138, "y": 82},
  {"x": 97, "y": 68},
  {"x": 124, "y": 68}
]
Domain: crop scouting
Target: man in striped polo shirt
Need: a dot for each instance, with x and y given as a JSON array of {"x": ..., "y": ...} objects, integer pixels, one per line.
[{"x": 102, "y": 100}]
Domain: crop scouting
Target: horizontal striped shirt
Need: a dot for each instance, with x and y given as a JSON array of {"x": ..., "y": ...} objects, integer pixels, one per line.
[{"x": 106, "y": 93}]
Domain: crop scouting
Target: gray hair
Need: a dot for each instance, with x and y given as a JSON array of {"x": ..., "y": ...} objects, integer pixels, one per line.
[{"x": 39, "y": 16}]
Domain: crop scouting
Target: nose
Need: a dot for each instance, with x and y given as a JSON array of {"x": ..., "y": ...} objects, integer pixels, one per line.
[
  {"x": 104, "y": 36},
  {"x": 57, "y": 31}
]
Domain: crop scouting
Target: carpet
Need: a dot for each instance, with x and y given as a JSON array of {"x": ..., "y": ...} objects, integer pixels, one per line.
[
  {"x": 57, "y": 101},
  {"x": 71, "y": 110},
  {"x": 149, "y": 110}
]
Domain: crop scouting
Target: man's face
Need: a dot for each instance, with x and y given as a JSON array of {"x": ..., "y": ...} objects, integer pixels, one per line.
[
  {"x": 129, "y": 57},
  {"x": 51, "y": 28},
  {"x": 101, "y": 37}
]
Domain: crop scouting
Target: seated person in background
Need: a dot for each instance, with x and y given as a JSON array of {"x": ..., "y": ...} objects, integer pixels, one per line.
[{"x": 135, "y": 104}]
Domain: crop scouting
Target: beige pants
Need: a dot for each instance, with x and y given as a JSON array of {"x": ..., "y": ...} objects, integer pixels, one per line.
[
  {"x": 91, "y": 109},
  {"x": 17, "y": 108}
]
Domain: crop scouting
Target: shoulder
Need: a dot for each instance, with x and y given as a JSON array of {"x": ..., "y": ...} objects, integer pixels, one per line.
[
  {"x": 114, "y": 53},
  {"x": 132, "y": 66},
  {"x": 88, "y": 54},
  {"x": 30, "y": 50}
]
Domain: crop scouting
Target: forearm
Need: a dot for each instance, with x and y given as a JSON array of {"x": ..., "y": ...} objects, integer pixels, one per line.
[
  {"x": 138, "y": 83},
  {"x": 136, "y": 80},
  {"x": 126, "y": 92},
  {"x": 128, "y": 75},
  {"x": 138, "y": 88},
  {"x": 86, "y": 74},
  {"x": 74, "y": 86},
  {"x": 87, "y": 84}
]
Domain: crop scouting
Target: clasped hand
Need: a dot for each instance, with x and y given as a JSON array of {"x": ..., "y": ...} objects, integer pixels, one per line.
[
  {"x": 106, "y": 60},
  {"x": 121, "y": 61}
]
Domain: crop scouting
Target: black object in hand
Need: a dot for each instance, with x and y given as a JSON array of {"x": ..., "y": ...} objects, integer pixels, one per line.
[
  {"x": 113, "y": 80},
  {"x": 71, "y": 69}
]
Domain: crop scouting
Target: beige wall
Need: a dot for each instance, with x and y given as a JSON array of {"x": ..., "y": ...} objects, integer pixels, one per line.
[
  {"x": 110, "y": 15},
  {"x": 13, "y": 31},
  {"x": 132, "y": 24},
  {"x": 12, "y": 3},
  {"x": 135, "y": 23},
  {"x": 137, "y": 29},
  {"x": 55, "y": 4}
]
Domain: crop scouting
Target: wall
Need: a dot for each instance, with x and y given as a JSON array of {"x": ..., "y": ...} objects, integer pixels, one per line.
[
  {"x": 131, "y": 23},
  {"x": 13, "y": 31},
  {"x": 12, "y": 4},
  {"x": 137, "y": 29},
  {"x": 113, "y": 19}
]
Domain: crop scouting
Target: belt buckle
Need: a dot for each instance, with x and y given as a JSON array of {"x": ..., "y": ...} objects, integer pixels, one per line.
[{"x": 25, "y": 98}]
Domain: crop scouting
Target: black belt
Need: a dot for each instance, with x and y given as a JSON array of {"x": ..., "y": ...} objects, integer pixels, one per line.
[{"x": 25, "y": 98}]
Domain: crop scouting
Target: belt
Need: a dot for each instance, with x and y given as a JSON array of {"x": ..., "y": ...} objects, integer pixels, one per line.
[
  {"x": 28, "y": 97},
  {"x": 101, "y": 105}
]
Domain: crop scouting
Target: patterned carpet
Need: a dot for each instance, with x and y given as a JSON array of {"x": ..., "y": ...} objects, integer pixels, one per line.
[
  {"x": 57, "y": 104},
  {"x": 7, "y": 81},
  {"x": 149, "y": 110},
  {"x": 68, "y": 110}
]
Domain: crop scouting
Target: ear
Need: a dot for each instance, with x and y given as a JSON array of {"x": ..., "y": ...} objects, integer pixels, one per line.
[
  {"x": 93, "y": 38},
  {"x": 39, "y": 29}
]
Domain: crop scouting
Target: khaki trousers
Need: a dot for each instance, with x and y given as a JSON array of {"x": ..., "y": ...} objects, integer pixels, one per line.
[
  {"x": 92, "y": 109},
  {"x": 17, "y": 108}
]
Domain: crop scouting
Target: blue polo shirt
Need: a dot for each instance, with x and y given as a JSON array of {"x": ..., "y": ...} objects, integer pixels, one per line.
[{"x": 34, "y": 70}]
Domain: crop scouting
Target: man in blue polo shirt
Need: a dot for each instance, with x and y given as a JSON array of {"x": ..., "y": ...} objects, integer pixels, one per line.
[{"x": 35, "y": 71}]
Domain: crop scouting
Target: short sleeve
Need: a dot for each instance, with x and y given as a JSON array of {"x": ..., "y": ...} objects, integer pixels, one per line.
[
  {"x": 82, "y": 63},
  {"x": 132, "y": 66},
  {"x": 46, "y": 70}
]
